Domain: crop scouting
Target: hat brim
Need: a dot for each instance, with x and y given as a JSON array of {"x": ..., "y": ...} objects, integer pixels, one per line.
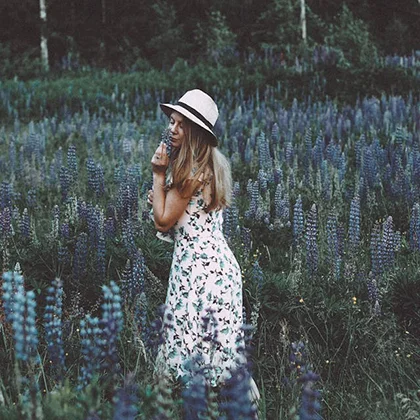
[{"x": 169, "y": 108}]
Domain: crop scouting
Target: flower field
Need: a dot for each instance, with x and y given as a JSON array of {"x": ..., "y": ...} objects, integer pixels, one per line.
[{"x": 325, "y": 224}]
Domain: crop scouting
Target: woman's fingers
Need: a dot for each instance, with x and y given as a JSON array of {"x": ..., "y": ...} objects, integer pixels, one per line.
[
  {"x": 160, "y": 159},
  {"x": 150, "y": 197}
]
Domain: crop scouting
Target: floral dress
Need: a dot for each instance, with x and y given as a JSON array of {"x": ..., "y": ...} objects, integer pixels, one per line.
[{"x": 204, "y": 298}]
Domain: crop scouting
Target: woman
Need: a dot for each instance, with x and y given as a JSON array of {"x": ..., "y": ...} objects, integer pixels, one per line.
[{"x": 205, "y": 287}]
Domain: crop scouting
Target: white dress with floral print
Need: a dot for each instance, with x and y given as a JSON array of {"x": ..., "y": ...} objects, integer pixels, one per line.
[{"x": 204, "y": 297}]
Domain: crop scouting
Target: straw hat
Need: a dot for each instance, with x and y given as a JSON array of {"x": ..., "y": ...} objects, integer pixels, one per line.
[{"x": 198, "y": 107}]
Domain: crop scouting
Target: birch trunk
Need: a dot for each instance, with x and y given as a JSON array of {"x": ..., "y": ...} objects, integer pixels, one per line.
[
  {"x": 303, "y": 19},
  {"x": 44, "y": 41}
]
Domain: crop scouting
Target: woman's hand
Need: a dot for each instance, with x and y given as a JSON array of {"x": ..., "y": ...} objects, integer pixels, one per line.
[
  {"x": 150, "y": 197},
  {"x": 160, "y": 160}
]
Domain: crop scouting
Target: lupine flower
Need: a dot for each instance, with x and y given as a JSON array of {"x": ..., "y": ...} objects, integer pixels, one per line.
[
  {"x": 12, "y": 282},
  {"x": 354, "y": 223},
  {"x": 55, "y": 223},
  {"x": 65, "y": 182},
  {"x": 53, "y": 325},
  {"x": 140, "y": 316},
  {"x": 80, "y": 258},
  {"x": 262, "y": 181},
  {"x": 332, "y": 238},
  {"x": 92, "y": 175},
  {"x": 126, "y": 400},
  {"x": 23, "y": 323},
  {"x": 230, "y": 221},
  {"x": 237, "y": 395},
  {"x": 194, "y": 394},
  {"x": 25, "y": 224},
  {"x": 373, "y": 295},
  {"x": 246, "y": 240},
  {"x": 298, "y": 220},
  {"x": 264, "y": 156},
  {"x": 275, "y": 134},
  {"x": 100, "y": 180},
  {"x": 282, "y": 206},
  {"x": 289, "y": 153},
  {"x": 158, "y": 329},
  {"x": 111, "y": 324},
  {"x": 310, "y": 405},
  {"x": 72, "y": 163},
  {"x": 128, "y": 237},
  {"x": 253, "y": 196},
  {"x": 388, "y": 244},
  {"x": 311, "y": 240},
  {"x": 298, "y": 358},
  {"x": 376, "y": 250},
  {"x": 91, "y": 349},
  {"x": 93, "y": 218}
]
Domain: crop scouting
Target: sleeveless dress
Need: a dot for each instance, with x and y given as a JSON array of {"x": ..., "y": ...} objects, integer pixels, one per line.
[{"x": 204, "y": 299}]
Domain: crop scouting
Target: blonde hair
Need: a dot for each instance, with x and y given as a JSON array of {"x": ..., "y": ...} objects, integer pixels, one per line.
[{"x": 197, "y": 160}]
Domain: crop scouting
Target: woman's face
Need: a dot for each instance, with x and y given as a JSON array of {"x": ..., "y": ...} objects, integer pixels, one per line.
[{"x": 177, "y": 129}]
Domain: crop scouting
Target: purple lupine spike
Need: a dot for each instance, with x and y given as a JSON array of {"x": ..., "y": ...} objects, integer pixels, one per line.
[
  {"x": 6, "y": 195},
  {"x": 262, "y": 181},
  {"x": 236, "y": 393},
  {"x": 111, "y": 324},
  {"x": 140, "y": 316},
  {"x": 134, "y": 278},
  {"x": 264, "y": 156},
  {"x": 82, "y": 211},
  {"x": 310, "y": 398},
  {"x": 128, "y": 237},
  {"x": 92, "y": 175},
  {"x": 12, "y": 281},
  {"x": 376, "y": 251},
  {"x": 19, "y": 307},
  {"x": 6, "y": 223},
  {"x": 53, "y": 327},
  {"x": 80, "y": 258},
  {"x": 332, "y": 237},
  {"x": 194, "y": 394},
  {"x": 93, "y": 224},
  {"x": 298, "y": 220},
  {"x": 25, "y": 224},
  {"x": 325, "y": 181},
  {"x": 311, "y": 236},
  {"x": 126, "y": 400},
  {"x": 72, "y": 163},
  {"x": 388, "y": 242},
  {"x": 373, "y": 295},
  {"x": 354, "y": 223},
  {"x": 100, "y": 257},
  {"x": 100, "y": 180},
  {"x": 91, "y": 344},
  {"x": 65, "y": 183}
]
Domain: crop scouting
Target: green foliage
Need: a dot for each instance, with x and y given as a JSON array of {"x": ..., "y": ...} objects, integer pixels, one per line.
[
  {"x": 26, "y": 65},
  {"x": 280, "y": 25},
  {"x": 169, "y": 42},
  {"x": 351, "y": 35},
  {"x": 215, "y": 40}
]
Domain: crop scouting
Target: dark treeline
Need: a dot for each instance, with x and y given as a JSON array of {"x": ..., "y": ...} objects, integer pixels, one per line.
[{"x": 124, "y": 34}]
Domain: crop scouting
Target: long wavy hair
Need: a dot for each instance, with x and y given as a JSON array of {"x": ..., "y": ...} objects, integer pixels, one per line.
[{"x": 197, "y": 160}]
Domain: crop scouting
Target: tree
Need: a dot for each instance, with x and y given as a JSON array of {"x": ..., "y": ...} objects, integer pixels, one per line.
[{"x": 44, "y": 39}]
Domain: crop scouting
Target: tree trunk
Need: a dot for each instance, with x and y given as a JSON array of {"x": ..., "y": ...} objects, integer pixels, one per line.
[
  {"x": 303, "y": 19},
  {"x": 44, "y": 39}
]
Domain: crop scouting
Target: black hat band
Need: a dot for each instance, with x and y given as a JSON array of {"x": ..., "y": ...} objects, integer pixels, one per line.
[{"x": 196, "y": 114}]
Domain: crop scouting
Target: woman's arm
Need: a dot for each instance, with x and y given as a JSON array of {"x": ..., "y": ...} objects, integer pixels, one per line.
[{"x": 168, "y": 205}]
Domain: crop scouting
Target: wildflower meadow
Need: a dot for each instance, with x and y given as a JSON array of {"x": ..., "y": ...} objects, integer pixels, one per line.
[{"x": 325, "y": 223}]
